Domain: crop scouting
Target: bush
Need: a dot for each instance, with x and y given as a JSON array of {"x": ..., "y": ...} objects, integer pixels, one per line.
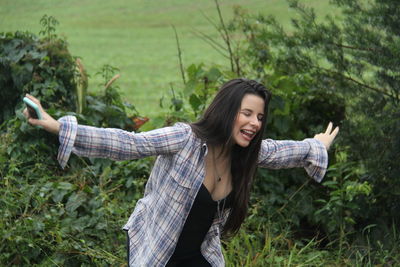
[
  {"x": 48, "y": 216},
  {"x": 41, "y": 67}
]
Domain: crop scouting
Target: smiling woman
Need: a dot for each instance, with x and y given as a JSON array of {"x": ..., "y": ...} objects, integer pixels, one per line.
[
  {"x": 249, "y": 119},
  {"x": 200, "y": 184}
]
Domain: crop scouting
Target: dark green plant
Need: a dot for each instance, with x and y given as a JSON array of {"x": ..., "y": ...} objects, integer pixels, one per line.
[
  {"x": 346, "y": 70},
  {"x": 108, "y": 109},
  {"x": 188, "y": 104},
  {"x": 51, "y": 216},
  {"x": 32, "y": 65},
  {"x": 49, "y": 24},
  {"x": 107, "y": 72},
  {"x": 338, "y": 213},
  {"x": 201, "y": 86}
]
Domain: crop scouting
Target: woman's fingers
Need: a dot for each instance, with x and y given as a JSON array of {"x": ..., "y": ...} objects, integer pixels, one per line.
[
  {"x": 335, "y": 132},
  {"x": 329, "y": 128},
  {"x": 26, "y": 113},
  {"x": 35, "y": 100},
  {"x": 31, "y": 120},
  {"x": 47, "y": 122},
  {"x": 35, "y": 122},
  {"x": 328, "y": 136},
  {"x": 330, "y": 132}
]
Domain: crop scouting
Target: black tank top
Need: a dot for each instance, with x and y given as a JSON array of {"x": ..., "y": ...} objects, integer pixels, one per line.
[{"x": 197, "y": 224}]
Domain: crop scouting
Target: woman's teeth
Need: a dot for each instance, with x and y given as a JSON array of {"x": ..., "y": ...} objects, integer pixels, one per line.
[{"x": 248, "y": 133}]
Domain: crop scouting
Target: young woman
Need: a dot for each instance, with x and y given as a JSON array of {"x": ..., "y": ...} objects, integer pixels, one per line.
[{"x": 200, "y": 184}]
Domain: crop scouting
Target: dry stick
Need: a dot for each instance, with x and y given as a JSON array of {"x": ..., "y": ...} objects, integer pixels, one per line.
[
  {"x": 219, "y": 29},
  {"x": 179, "y": 55},
  {"x": 378, "y": 90},
  {"x": 81, "y": 86},
  {"x": 211, "y": 21},
  {"x": 237, "y": 60},
  {"x": 111, "y": 81},
  {"x": 218, "y": 47},
  {"x": 208, "y": 39},
  {"x": 226, "y": 37},
  {"x": 349, "y": 78}
]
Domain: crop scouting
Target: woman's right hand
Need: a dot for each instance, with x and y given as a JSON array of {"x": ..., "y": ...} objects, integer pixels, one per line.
[{"x": 47, "y": 122}]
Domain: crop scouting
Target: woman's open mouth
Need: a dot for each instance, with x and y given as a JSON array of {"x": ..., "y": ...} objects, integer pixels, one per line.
[{"x": 248, "y": 134}]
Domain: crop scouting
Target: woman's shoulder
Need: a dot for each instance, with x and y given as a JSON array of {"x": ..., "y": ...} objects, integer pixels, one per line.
[
  {"x": 187, "y": 128},
  {"x": 179, "y": 130},
  {"x": 183, "y": 125}
]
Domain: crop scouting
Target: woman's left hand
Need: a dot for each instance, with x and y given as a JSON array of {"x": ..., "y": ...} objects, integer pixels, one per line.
[
  {"x": 47, "y": 122},
  {"x": 329, "y": 135}
]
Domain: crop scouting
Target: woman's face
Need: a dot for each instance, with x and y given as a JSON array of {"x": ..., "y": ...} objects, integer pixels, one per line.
[{"x": 249, "y": 119}]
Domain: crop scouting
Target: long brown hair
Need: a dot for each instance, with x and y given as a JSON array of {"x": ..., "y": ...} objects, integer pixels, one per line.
[{"x": 215, "y": 128}]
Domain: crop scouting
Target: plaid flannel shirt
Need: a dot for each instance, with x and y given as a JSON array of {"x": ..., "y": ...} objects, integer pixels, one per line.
[{"x": 158, "y": 218}]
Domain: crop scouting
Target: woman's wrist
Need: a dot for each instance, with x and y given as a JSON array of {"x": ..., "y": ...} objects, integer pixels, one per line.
[{"x": 56, "y": 128}]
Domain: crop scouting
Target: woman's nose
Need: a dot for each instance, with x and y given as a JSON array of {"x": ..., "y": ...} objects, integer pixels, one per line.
[{"x": 255, "y": 122}]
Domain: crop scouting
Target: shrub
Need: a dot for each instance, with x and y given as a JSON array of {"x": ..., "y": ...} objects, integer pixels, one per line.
[{"x": 48, "y": 216}]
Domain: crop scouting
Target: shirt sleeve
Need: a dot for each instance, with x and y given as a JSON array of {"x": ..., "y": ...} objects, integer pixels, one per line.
[
  {"x": 117, "y": 144},
  {"x": 309, "y": 153}
]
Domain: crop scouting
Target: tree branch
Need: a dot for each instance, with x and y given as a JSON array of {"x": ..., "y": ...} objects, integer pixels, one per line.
[
  {"x": 219, "y": 48},
  {"x": 356, "y": 48},
  {"x": 226, "y": 36},
  {"x": 179, "y": 56},
  {"x": 378, "y": 90}
]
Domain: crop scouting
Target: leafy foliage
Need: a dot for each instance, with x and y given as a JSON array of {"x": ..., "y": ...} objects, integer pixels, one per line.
[
  {"x": 49, "y": 24},
  {"x": 49, "y": 216},
  {"x": 342, "y": 70},
  {"x": 41, "y": 67},
  {"x": 189, "y": 103},
  {"x": 338, "y": 70}
]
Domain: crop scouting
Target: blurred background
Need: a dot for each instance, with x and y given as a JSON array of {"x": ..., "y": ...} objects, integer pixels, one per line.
[{"x": 137, "y": 36}]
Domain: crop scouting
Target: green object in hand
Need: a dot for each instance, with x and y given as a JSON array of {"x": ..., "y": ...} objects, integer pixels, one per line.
[{"x": 33, "y": 109}]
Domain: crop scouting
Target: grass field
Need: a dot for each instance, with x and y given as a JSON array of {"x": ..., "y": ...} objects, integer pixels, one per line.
[{"x": 136, "y": 36}]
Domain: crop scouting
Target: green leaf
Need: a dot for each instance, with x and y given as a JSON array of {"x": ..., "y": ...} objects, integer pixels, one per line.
[
  {"x": 193, "y": 71},
  {"x": 75, "y": 201},
  {"x": 195, "y": 102},
  {"x": 65, "y": 186},
  {"x": 213, "y": 74},
  {"x": 189, "y": 87}
]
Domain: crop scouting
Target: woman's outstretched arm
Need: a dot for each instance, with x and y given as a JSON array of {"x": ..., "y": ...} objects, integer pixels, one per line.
[
  {"x": 109, "y": 143},
  {"x": 310, "y": 153}
]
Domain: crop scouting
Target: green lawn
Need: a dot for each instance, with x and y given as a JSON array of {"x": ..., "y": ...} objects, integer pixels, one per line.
[{"x": 136, "y": 36}]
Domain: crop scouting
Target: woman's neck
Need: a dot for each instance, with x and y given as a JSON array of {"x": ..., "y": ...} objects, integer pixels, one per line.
[{"x": 220, "y": 152}]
